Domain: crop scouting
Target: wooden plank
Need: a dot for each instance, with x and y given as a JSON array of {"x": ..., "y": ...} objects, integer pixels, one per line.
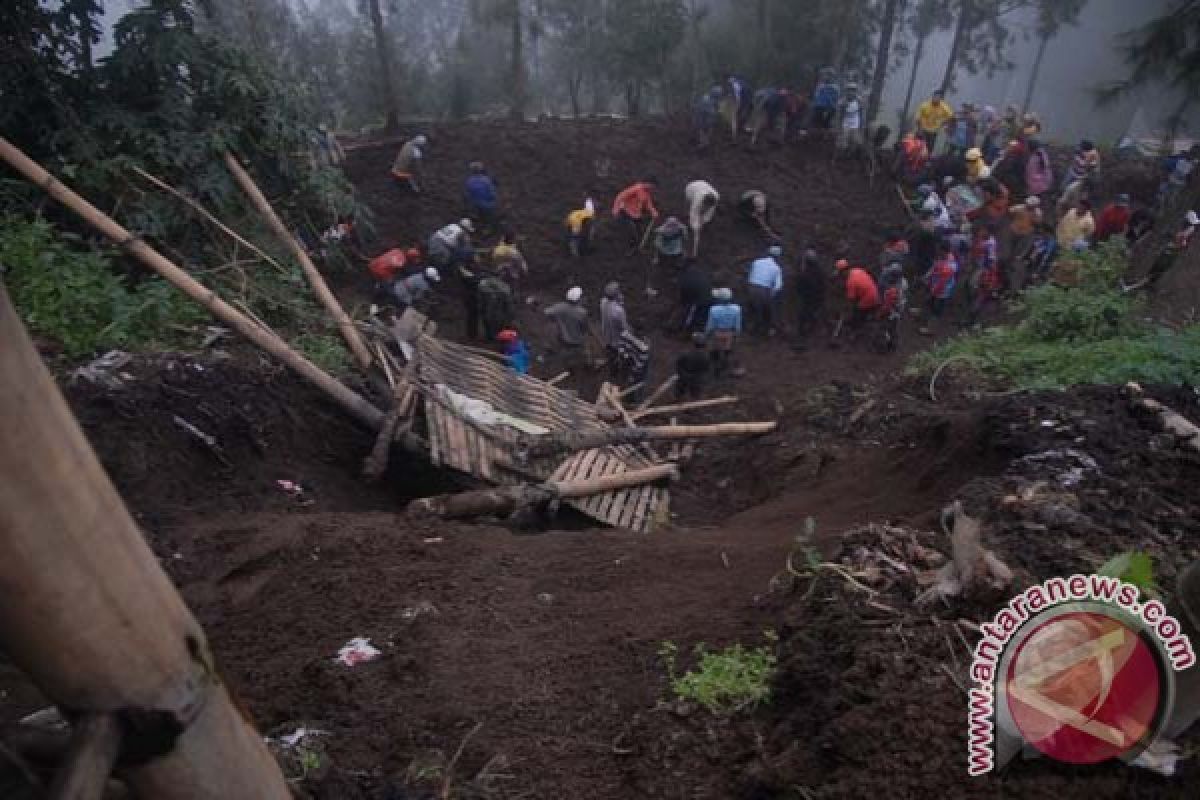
[
  {"x": 432, "y": 411},
  {"x": 638, "y": 519}
]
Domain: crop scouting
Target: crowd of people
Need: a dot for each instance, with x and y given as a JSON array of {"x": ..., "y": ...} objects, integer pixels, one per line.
[{"x": 987, "y": 218}]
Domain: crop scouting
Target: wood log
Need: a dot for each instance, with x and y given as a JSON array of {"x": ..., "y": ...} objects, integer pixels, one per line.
[
  {"x": 559, "y": 378},
  {"x": 552, "y": 444},
  {"x": 1173, "y": 422},
  {"x": 694, "y": 405},
  {"x": 614, "y": 400},
  {"x": 349, "y": 400},
  {"x": 658, "y": 393},
  {"x": 87, "y": 611},
  {"x": 506, "y": 500},
  {"x": 315, "y": 280},
  {"x": 202, "y": 211},
  {"x": 95, "y": 743}
]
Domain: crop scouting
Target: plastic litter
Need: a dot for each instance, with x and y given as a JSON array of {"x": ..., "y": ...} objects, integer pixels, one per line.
[
  {"x": 358, "y": 651},
  {"x": 291, "y": 487}
]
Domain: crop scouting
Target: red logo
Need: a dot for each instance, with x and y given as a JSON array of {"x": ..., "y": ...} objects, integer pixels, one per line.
[{"x": 1084, "y": 687}]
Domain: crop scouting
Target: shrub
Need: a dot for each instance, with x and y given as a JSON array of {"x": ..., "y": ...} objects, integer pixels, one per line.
[
  {"x": 1090, "y": 334},
  {"x": 725, "y": 682},
  {"x": 71, "y": 293},
  {"x": 326, "y": 350}
]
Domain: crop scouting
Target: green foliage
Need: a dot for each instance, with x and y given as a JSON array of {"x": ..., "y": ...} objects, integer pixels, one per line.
[
  {"x": 325, "y": 350},
  {"x": 724, "y": 682},
  {"x": 1134, "y": 568},
  {"x": 72, "y": 294},
  {"x": 1091, "y": 334}
]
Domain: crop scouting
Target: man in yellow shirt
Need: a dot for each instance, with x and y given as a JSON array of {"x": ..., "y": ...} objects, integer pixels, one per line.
[
  {"x": 579, "y": 229},
  {"x": 932, "y": 115}
]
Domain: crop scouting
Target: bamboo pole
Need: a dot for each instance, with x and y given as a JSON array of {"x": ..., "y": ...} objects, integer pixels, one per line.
[
  {"x": 95, "y": 742},
  {"x": 351, "y": 401},
  {"x": 659, "y": 393},
  {"x": 571, "y": 442},
  {"x": 505, "y": 500},
  {"x": 694, "y": 405},
  {"x": 87, "y": 612},
  {"x": 319, "y": 287},
  {"x": 204, "y": 212}
]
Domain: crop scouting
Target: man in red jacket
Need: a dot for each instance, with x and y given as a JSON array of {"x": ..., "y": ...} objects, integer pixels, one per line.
[
  {"x": 1114, "y": 219},
  {"x": 633, "y": 205},
  {"x": 862, "y": 294}
]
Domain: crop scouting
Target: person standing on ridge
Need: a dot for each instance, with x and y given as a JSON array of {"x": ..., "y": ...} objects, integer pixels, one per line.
[{"x": 932, "y": 116}]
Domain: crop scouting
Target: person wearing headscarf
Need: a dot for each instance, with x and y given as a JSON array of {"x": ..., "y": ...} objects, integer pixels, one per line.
[{"x": 406, "y": 169}]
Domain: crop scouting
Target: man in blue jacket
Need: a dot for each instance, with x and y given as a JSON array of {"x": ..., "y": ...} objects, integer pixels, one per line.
[{"x": 480, "y": 195}]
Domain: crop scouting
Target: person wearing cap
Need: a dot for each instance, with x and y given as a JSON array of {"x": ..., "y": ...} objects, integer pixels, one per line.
[
  {"x": 669, "y": 241},
  {"x": 764, "y": 284},
  {"x": 691, "y": 370},
  {"x": 1113, "y": 220},
  {"x": 634, "y": 209},
  {"x": 977, "y": 170},
  {"x": 410, "y": 290},
  {"x": 850, "y": 138},
  {"x": 1174, "y": 248},
  {"x": 723, "y": 328},
  {"x": 613, "y": 323},
  {"x": 579, "y": 226},
  {"x": 508, "y": 260},
  {"x": 571, "y": 323},
  {"x": 515, "y": 351},
  {"x": 406, "y": 169},
  {"x": 702, "y": 200},
  {"x": 451, "y": 244},
  {"x": 479, "y": 194},
  {"x": 1076, "y": 225},
  {"x": 811, "y": 284},
  {"x": 497, "y": 310},
  {"x": 932, "y": 116}
]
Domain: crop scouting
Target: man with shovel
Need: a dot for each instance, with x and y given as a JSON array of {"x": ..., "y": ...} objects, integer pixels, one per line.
[
  {"x": 753, "y": 208},
  {"x": 702, "y": 201},
  {"x": 634, "y": 208}
]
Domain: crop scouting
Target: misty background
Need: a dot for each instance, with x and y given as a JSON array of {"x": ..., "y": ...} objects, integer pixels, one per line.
[{"x": 452, "y": 58}]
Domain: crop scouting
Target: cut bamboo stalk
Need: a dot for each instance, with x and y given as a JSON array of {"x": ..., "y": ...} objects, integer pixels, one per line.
[
  {"x": 504, "y": 501},
  {"x": 204, "y": 212},
  {"x": 315, "y": 280},
  {"x": 559, "y": 378},
  {"x": 88, "y": 613},
  {"x": 351, "y": 401},
  {"x": 570, "y": 442},
  {"x": 614, "y": 400},
  {"x": 659, "y": 393},
  {"x": 95, "y": 742},
  {"x": 630, "y": 390},
  {"x": 694, "y": 405}
]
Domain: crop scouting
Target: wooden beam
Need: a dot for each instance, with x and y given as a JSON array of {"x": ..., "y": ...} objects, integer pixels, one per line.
[
  {"x": 559, "y": 378},
  {"x": 695, "y": 405},
  {"x": 659, "y": 393},
  {"x": 505, "y": 500},
  {"x": 351, "y": 401},
  {"x": 87, "y": 611},
  {"x": 552, "y": 444},
  {"x": 95, "y": 742},
  {"x": 326, "y": 298}
]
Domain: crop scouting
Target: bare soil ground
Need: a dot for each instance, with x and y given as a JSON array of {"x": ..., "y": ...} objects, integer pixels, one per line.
[{"x": 549, "y": 641}]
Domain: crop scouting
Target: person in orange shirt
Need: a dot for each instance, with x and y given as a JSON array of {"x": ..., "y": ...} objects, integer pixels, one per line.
[
  {"x": 386, "y": 267},
  {"x": 862, "y": 294},
  {"x": 634, "y": 209}
]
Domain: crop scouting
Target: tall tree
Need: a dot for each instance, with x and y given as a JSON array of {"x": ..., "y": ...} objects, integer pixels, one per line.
[
  {"x": 1052, "y": 16},
  {"x": 387, "y": 79},
  {"x": 927, "y": 16},
  {"x": 892, "y": 9},
  {"x": 980, "y": 35}
]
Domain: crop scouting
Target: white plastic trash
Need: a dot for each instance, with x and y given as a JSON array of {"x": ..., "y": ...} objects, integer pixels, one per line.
[{"x": 358, "y": 651}]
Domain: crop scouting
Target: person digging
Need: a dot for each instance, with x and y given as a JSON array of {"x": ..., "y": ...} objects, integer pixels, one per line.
[
  {"x": 862, "y": 300},
  {"x": 406, "y": 169},
  {"x": 635, "y": 211},
  {"x": 723, "y": 328}
]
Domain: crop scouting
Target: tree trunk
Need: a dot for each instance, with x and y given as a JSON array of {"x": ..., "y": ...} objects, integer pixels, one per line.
[
  {"x": 762, "y": 18},
  {"x": 1033, "y": 75},
  {"x": 882, "y": 56},
  {"x": 574, "y": 84},
  {"x": 918, "y": 53},
  {"x": 392, "y": 119},
  {"x": 965, "y": 14},
  {"x": 518, "y": 63}
]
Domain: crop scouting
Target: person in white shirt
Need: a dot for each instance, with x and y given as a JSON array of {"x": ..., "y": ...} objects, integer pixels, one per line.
[
  {"x": 851, "y": 137},
  {"x": 702, "y": 201}
]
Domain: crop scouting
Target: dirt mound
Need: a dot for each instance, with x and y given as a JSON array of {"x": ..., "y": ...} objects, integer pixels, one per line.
[{"x": 268, "y": 425}]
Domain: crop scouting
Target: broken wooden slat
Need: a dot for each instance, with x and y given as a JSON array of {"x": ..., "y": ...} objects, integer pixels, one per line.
[{"x": 694, "y": 405}]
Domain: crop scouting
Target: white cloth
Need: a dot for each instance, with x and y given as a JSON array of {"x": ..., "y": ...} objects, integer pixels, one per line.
[
  {"x": 451, "y": 234},
  {"x": 852, "y": 115},
  {"x": 695, "y": 192}
]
